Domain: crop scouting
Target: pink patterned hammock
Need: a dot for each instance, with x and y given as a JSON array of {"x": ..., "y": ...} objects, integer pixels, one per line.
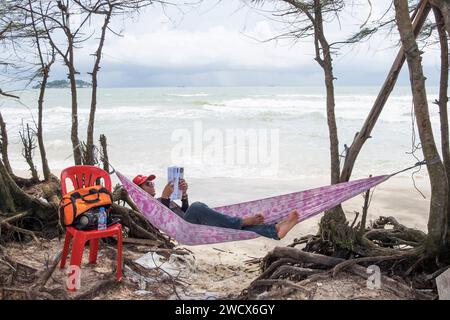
[{"x": 308, "y": 203}]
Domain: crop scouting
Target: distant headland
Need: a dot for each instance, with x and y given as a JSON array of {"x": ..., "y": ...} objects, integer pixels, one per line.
[{"x": 65, "y": 84}]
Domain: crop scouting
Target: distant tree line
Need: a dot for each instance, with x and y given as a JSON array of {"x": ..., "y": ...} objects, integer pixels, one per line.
[{"x": 65, "y": 84}]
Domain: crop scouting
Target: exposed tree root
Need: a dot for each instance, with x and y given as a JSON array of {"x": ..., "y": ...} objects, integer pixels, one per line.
[
  {"x": 294, "y": 272},
  {"x": 347, "y": 263},
  {"x": 21, "y": 231},
  {"x": 292, "y": 263}
]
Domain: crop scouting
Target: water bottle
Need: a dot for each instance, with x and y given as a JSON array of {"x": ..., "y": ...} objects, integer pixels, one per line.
[{"x": 101, "y": 219}]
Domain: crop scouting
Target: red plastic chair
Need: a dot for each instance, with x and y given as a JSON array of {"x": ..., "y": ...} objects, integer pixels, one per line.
[{"x": 86, "y": 176}]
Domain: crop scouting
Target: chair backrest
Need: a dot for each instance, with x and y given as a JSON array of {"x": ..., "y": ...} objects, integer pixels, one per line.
[{"x": 84, "y": 176}]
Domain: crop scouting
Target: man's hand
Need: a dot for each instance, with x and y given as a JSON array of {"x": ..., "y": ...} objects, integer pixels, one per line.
[
  {"x": 168, "y": 189},
  {"x": 183, "y": 186}
]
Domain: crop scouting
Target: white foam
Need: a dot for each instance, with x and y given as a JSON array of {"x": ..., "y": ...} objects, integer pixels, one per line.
[
  {"x": 200, "y": 94},
  {"x": 139, "y": 128}
]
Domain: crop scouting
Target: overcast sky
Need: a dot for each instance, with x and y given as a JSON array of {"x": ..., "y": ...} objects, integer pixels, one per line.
[{"x": 221, "y": 43}]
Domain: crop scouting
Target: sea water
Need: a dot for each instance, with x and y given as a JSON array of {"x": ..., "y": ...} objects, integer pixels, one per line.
[{"x": 285, "y": 134}]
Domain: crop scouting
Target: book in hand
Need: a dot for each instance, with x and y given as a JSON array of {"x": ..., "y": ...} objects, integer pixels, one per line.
[{"x": 174, "y": 175}]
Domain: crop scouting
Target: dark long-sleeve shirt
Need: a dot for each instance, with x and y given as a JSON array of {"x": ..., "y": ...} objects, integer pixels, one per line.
[{"x": 175, "y": 207}]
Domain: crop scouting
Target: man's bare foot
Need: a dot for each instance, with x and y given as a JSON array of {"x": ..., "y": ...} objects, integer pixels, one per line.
[
  {"x": 286, "y": 225},
  {"x": 253, "y": 220}
]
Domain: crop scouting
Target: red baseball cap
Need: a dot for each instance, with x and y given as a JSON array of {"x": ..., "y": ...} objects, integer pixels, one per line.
[{"x": 140, "y": 179}]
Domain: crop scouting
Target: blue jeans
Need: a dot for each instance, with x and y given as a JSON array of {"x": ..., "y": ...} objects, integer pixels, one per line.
[{"x": 200, "y": 213}]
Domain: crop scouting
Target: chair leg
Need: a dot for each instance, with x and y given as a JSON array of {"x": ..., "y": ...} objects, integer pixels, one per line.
[
  {"x": 93, "y": 250},
  {"x": 77, "y": 251},
  {"x": 119, "y": 256},
  {"x": 65, "y": 251},
  {"x": 75, "y": 261}
]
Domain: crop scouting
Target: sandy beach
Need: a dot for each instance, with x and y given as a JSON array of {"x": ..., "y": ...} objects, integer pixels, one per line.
[{"x": 223, "y": 270}]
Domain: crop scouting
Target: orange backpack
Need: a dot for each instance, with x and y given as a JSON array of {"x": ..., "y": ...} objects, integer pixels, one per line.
[{"x": 81, "y": 200}]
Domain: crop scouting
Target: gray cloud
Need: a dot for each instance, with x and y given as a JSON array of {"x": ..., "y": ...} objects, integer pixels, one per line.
[{"x": 216, "y": 47}]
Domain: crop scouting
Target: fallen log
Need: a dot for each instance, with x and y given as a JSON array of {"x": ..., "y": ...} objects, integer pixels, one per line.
[
  {"x": 302, "y": 256},
  {"x": 293, "y": 271}
]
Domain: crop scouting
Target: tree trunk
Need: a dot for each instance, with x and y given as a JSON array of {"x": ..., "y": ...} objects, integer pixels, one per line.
[
  {"x": 437, "y": 223},
  {"x": 4, "y": 145},
  {"x": 45, "y": 74},
  {"x": 98, "y": 56},
  {"x": 333, "y": 226},
  {"x": 73, "y": 89},
  {"x": 6, "y": 199},
  {"x": 364, "y": 134},
  {"x": 327, "y": 66},
  {"x": 68, "y": 58},
  {"x": 105, "y": 159},
  {"x": 44, "y": 215},
  {"x": 29, "y": 144},
  {"x": 74, "y": 131},
  {"x": 11, "y": 194},
  {"x": 331, "y": 118},
  {"x": 444, "y": 8},
  {"x": 40, "y": 137},
  {"x": 12, "y": 197},
  {"x": 443, "y": 97}
]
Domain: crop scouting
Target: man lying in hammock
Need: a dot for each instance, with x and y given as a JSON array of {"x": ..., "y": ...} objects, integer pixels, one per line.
[{"x": 200, "y": 213}]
